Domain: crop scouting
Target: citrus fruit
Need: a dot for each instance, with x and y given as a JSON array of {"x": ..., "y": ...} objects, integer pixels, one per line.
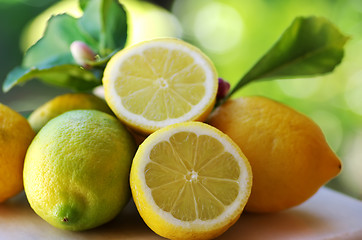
[
  {"x": 159, "y": 82},
  {"x": 63, "y": 103},
  {"x": 76, "y": 169},
  {"x": 190, "y": 181},
  {"x": 15, "y": 137},
  {"x": 287, "y": 151}
]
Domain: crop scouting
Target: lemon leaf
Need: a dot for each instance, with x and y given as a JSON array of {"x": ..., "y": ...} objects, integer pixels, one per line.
[
  {"x": 102, "y": 27},
  {"x": 83, "y": 4},
  {"x": 106, "y": 22},
  {"x": 72, "y": 76},
  {"x": 309, "y": 47}
]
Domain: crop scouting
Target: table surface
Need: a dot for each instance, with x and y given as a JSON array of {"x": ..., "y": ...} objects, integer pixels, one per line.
[{"x": 327, "y": 215}]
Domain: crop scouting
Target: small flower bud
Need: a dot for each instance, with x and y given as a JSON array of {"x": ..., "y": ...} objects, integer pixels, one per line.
[
  {"x": 82, "y": 53},
  {"x": 223, "y": 88}
]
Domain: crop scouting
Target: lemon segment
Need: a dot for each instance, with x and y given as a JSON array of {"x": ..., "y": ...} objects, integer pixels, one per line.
[
  {"x": 160, "y": 82},
  {"x": 190, "y": 181}
]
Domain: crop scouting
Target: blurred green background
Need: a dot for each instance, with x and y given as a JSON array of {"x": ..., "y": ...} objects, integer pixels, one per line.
[{"x": 234, "y": 34}]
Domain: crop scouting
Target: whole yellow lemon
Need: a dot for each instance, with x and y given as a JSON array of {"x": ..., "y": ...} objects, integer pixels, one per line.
[
  {"x": 15, "y": 137},
  {"x": 76, "y": 170},
  {"x": 63, "y": 103},
  {"x": 287, "y": 151}
]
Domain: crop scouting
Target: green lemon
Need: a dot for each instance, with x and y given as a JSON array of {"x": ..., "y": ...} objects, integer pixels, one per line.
[
  {"x": 76, "y": 170},
  {"x": 64, "y": 103}
]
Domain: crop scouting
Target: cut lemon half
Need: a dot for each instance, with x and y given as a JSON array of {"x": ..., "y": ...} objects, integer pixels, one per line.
[
  {"x": 190, "y": 181},
  {"x": 160, "y": 82}
]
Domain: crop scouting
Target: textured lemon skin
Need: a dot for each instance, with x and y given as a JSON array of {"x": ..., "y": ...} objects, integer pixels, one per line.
[
  {"x": 15, "y": 137},
  {"x": 288, "y": 153},
  {"x": 144, "y": 129},
  {"x": 63, "y": 103},
  {"x": 152, "y": 214},
  {"x": 76, "y": 171}
]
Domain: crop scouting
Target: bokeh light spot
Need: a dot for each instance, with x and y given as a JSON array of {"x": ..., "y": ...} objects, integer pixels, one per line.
[
  {"x": 218, "y": 27},
  {"x": 300, "y": 88},
  {"x": 353, "y": 93},
  {"x": 351, "y": 176},
  {"x": 147, "y": 21},
  {"x": 331, "y": 127}
]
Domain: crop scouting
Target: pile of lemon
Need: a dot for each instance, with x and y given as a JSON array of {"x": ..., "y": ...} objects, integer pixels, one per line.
[{"x": 188, "y": 179}]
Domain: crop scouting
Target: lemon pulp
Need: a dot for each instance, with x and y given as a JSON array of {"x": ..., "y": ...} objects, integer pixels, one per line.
[
  {"x": 195, "y": 184},
  {"x": 160, "y": 82}
]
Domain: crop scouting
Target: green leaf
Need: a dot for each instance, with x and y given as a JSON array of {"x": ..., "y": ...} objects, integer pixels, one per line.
[
  {"x": 13, "y": 78},
  {"x": 102, "y": 27},
  {"x": 309, "y": 47},
  {"x": 61, "y": 31},
  {"x": 83, "y": 4},
  {"x": 106, "y": 22},
  {"x": 51, "y": 54},
  {"x": 71, "y": 76}
]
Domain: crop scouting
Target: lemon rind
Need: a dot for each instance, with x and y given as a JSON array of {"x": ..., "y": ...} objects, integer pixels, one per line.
[{"x": 232, "y": 211}]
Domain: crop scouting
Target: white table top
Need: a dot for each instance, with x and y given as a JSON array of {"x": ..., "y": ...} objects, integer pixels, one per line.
[{"x": 327, "y": 215}]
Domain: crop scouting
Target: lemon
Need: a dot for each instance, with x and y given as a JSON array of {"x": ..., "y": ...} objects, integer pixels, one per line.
[
  {"x": 159, "y": 82},
  {"x": 190, "y": 181},
  {"x": 66, "y": 102},
  {"x": 76, "y": 169},
  {"x": 15, "y": 137},
  {"x": 287, "y": 151}
]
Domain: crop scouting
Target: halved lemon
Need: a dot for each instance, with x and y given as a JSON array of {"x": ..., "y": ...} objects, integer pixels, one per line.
[
  {"x": 190, "y": 181},
  {"x": 160, "y": 82}
]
